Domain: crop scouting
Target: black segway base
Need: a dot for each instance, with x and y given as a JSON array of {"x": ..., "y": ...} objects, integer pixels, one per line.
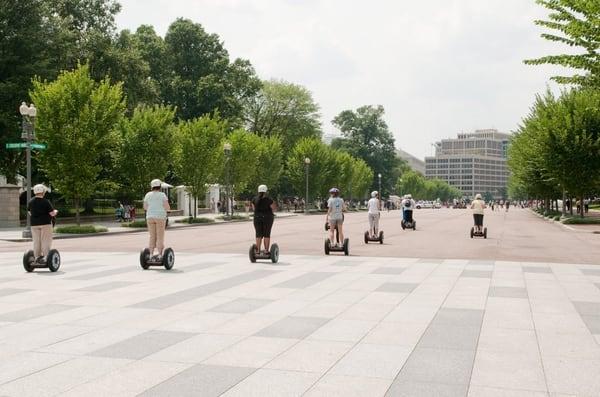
[
  {"x": 51, "y": 262},
  {"x": 167, "y": 260},
  {"x": 377, "y": 239},
  {"x": 272, "y": 255},
  {"x": 345, "y": 248},
  {"x": 476, "y": 233}
]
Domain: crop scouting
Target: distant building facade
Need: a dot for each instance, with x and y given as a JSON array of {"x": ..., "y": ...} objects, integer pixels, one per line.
[
  {"x": 473, "y": 162},
  {"x": 414, "y": 163}
]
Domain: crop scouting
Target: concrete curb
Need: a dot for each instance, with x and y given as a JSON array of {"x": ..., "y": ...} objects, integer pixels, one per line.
[{"x": 569, "y": 228}]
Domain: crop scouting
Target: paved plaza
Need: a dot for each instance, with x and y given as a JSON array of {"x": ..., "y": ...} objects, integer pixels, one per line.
[{"x": 308, "y": 326}]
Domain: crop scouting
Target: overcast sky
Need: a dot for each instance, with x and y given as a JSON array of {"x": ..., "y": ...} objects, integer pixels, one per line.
[{"x": 438, "y": 67}]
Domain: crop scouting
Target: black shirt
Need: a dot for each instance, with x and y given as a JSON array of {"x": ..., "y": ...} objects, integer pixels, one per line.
[
  {"x": 40, "y": 209},
  {"x": 263, "y": 205}
]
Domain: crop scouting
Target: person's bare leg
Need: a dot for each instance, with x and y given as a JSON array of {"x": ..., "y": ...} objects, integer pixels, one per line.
[
  {"x": 267, "y": 241},
  {"x": 341, "y": 233},
  {"x": 331, "y": 231},
  {"x": 258, "y": 243}
]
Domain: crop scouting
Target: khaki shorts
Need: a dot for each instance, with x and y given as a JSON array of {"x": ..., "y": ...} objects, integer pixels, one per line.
[{"x": 335, "y": 222}]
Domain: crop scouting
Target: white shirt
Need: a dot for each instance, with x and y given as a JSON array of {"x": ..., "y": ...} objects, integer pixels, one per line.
[
  {"x": 155, "y": 201},
  {"x": 373, "y": 206}
]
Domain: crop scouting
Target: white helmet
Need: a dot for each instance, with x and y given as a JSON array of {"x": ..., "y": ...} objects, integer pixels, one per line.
[
  {"x": 409, "y": 196},
  {"x": 39, "y": 188},
  {"x": 478, "y": 196},
  {"x": 374, "y": 193},
  {"x": 155, "y": 183},
  {"x": 262, "y": 188}
]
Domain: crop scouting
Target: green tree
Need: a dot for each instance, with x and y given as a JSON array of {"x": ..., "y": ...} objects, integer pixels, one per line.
[
  {"x": 270, "y": 163},
  {"x": 575, "y": 23},
  {"x": 412, "y": 183},
  {"x": 366, "y": 136},
  {"x": 146, "y": 147},
  {"x": 362, "y": 178},
  {"x": 319, "y": 171},
  {"x": 199, "y": 154},
  {"x": 201, "y": 77},
  {"x": 76, "y": 118},
  {"x": 283, "y": 109},
  {"x": 243, "y": 162}
]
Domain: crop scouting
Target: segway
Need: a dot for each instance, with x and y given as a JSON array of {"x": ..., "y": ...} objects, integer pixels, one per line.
[
  {"x": 167, "y": 259},
  {"x": 410, "y": 224},
  {"x": 329, "y": 247},
  {"x": 479, "y": 233},
  {"x": 51, "y": 261},
  {"x": 369, "y": 238},
  {"x": 272, "y": 255}
]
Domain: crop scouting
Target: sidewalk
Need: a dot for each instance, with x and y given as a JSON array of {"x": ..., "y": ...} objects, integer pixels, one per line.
[{"x": 15, "y": 234}]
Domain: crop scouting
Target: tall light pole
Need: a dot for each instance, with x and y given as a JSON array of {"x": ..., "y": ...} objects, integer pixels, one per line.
[
  {"x": 28, "y": 113},
  {"x": 227, "y": 150},
  {"x": 380, "y": 192},
  {"x": 306, "y": 165}
]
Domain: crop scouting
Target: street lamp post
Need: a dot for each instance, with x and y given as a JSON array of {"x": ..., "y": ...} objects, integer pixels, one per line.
[
  {"x": 28, "y": 113},
  {"x": 227, "y": 150},
  {"x": 306, "y": 165},
  {"x": 380, "y": 193}
]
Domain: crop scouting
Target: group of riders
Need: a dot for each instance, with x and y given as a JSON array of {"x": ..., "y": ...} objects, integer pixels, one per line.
[{"x": 156, "y": 205}]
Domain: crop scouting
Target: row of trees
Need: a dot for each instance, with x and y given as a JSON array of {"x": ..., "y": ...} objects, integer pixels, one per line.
[
  {"x": 92, "y": 144},
  {"x": 419, "y": 187},
  {"x": 556, "y": 151}
]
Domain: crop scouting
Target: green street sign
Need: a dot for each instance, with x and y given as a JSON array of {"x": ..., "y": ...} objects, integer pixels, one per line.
[
  {"x": 20, "y": 145},
  {"x": 23, "y": 145}
]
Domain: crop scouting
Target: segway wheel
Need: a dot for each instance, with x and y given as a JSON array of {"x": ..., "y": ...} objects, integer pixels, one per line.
[
  {"x": 168, "y": 259},
  {"x": 28, "y": 259},
  {"x": 274, "y": 253},
  {"x": 252, "y": 253},
  {"x": 53, "y": 260},
  {"x": 403, "y": 225},
  {"x": 414, "y": 225},
  {"x": 144, "y": 257},
  {"x": 381, "y": 237},
  {"x": 366, "y": 237},
  {"x": 346, "y": 246},
  {"x": 472, "y": 232},
  {"x": 485, "y": 232},
  {"x": 327, "y": 246},
  {"x": 326, "y": 226}
]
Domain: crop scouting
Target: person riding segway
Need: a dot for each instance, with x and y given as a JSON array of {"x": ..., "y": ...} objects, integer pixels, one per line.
[
  {"x": 478, "y": 207},
  {"x": 374, "y": 213},
  {"x": 156, "y": 205},
  {"x": 335, "y": 219},
  {"x": 408, "y": 205},
  {"x": 263, "y": 207},
  {"x": 42, "y": 214}
]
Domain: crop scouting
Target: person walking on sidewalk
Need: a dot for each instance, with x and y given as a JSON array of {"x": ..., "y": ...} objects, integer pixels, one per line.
[
  {"x": 156, "y": 205},
  {"x": 41, "y": 212}
]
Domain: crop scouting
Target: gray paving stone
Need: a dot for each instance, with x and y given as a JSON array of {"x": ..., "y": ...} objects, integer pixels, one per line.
[
  {"x": 389, "y": 270},
  {"x": 306, "y": 280},
  {"x": 417, "y": 389},
  {"x": 508, "y": 292},
  {"x": 432, "y": 261},
  {"x": 458, "y": 317},
  {"x": 450, "y": 337},
  {"x": 142, "y": 345},
  {"x": 587, "y": 308},
  {"x": 104, "y": 273},
  {"x": 293, "y": 327},
  {"x": 481, "y": 262},
  {"x": 536, "y": 269},
  {"x": 593, "y": 323},
  {"x": 7, "y": 279},
  {"x": 591, "y": 272},
  {"x": 200, "y": 381},
  {"x": 34, "y": 312},
  {"x": 105, "y": 286},
  {"x": 345, "y": 263},
  {"x": 447, "y": 366},
  {"x": 397, "y": 287},
  {"x": 477, "y": 273},
  {"x": 241, "y": 305},
  {"x": 12, "y": 291},
  {"x": 165, "y": 301}
]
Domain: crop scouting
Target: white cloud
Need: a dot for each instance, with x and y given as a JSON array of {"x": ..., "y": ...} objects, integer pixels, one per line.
[{"x": 438, "y": 67}]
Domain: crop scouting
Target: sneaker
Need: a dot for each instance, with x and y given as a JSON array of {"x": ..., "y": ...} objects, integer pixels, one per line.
[{"x": 41, "y": 260}]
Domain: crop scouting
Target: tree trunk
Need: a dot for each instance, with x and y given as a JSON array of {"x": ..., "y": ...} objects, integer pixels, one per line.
[
  {"x": 571, "y": 205},
  {"x": 195, "y": 207},
  {"x": 582, "y": 207},
  {"x": 77, "y": 218}
]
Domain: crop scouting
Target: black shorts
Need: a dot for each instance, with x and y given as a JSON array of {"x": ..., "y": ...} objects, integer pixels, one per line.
[
  {"x": 478, "y": 218},
  {"x": 263, "y": 223}
]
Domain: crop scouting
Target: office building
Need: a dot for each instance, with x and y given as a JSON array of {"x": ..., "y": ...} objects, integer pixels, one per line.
[
  {"x": 413, "y": 162},
  {"x": 472, "y": 162}
]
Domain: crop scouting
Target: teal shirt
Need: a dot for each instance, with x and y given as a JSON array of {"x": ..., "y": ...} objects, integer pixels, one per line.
[{"x": 155, "y": 202}]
